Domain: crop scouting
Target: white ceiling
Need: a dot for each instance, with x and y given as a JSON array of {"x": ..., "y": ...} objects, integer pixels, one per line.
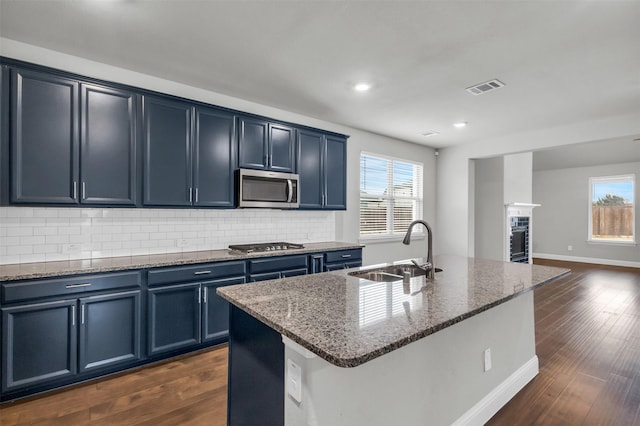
[{"x": 563, "y": 62}]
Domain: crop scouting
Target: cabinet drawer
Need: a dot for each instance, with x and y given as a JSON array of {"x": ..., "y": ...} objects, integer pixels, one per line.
[
  {"x": 273, "y": 264},
  {"x": 21, "y": 291},
  {"x": 343, "y": 255},
  {"x": 203, "y": 271}
]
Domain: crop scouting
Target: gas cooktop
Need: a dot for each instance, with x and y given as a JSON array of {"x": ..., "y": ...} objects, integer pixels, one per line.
[{"x": 254, "y": 248}]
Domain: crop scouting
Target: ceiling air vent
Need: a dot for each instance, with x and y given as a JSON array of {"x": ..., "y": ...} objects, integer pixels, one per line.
[{"x": 485, "y": 87}]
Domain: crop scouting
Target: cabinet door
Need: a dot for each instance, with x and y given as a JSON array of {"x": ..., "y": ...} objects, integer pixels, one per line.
[
  {"x": 335, "y": 170},
  {"x": 215, "y": 310},
  {"x": 38, "y": 343},
  {"x": 108, "y": 146},
  {"x": 109, "y": 329},
  {"x": 281, "y": 148},
  {"x": 310, "y": 155},
  {"x": 167, "y": 152},
  {"x": 252, "y": 147},
  {"x": 44, "y": 138},
  {"x": 214, "y": 158},
  {"x": 174, "y": 318}
]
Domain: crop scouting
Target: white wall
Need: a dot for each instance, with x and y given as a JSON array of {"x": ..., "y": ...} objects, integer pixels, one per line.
[
  {"x": 345, "y": 226},
  {"x": 489, "y": 208},
  {"x": 453, "y": 215},
  {"x": 518, "y": 178},
  {"x": 563, "y": 218}
]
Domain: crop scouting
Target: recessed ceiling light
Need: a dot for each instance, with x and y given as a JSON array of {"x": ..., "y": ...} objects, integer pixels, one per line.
[
  {"x": 362, "y": 87},
  {"x": 430, "y": 133},
  {"x": 460, "y": 124}
]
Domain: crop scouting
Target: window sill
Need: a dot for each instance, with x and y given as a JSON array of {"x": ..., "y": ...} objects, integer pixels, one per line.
[
  {"x": 381, "y": 239},
  {"x": 613, "y": 243}
]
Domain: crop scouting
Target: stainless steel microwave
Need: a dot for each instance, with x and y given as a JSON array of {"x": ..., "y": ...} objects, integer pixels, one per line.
[{"x": 260, "y": 188}]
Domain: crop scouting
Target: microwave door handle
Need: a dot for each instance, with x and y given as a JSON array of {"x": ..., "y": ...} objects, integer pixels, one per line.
[{"x": 290, "y": 190}]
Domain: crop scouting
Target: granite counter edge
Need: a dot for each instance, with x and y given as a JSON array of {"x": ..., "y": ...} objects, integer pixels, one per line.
[{"x": 403, "y": 341}]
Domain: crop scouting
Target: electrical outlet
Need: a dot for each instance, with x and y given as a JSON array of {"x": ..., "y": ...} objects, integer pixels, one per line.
[
  {"x": 569, "y": 248},
  {"x": 294, "y": 380},
  {"x": 487, "y": 359}
]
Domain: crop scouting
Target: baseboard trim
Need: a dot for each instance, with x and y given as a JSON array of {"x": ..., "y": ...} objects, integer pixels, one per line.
[
  {"x": 611, "y": 262},
  {"x": 481, "y": 412}
]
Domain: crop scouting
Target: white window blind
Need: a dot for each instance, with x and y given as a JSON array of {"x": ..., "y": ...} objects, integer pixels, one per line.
[{"x": 390, "y": 195}]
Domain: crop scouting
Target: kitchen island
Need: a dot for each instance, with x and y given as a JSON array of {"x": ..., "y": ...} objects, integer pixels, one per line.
[{"x": 401, "y": 352}]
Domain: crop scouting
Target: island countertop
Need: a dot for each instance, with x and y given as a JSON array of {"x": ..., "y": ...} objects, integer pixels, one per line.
[{"x": 348, "y": 321}]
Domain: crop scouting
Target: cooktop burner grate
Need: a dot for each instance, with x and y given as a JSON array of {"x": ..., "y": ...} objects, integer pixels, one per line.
[{"x": 254, "y": 248}]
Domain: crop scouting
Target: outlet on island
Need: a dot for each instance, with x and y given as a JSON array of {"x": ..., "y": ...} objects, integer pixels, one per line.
[{"x": 487, "y": 359}]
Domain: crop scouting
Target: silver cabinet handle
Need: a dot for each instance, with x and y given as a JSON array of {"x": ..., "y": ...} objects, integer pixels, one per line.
[
  {"x": 199, "y": 295},
  {"x": 190, "y": 194},
  {"x": 346, "y": 255},
  {"x": 204, "y": 296},
  {"x": 77, "y": 285},
  {"x": 73, "y": 314},
  {"x": 75, "y": 189},
  {"x": 196, "y": 194},
  {"x": 81, "y": 314},
  {"x": 202, "y": 273},
  {"x": 84, "y": 197}
]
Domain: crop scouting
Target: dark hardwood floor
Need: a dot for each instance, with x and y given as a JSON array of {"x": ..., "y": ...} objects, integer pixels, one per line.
[
  {"x": 588, "y": 345},
  {"x": 587, "y": 337},
  {"x": 191, "y": 390}
]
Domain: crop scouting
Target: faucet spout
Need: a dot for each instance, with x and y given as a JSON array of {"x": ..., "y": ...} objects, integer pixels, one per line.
[{"x": 407, "y": 241}]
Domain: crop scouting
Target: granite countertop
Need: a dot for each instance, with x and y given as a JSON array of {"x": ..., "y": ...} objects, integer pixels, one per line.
[
  {"x": 348, "y": 321},
  {"x": 23, "y": 271}
]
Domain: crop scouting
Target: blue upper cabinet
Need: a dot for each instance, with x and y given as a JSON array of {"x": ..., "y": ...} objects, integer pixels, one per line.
[
  {"x": 267, "y": 146},
  {"x": 335, "y": 173},
  {"x": 322, "y": 170},
  {"x": 44, "y": 138},
  {"x": 71, "y": 142},
  {"x": 167, "y": 152},
  {"x": 108, "y": 146},
  {"x": 189, "y": 154},
  {"x": 214, "y": 158}
]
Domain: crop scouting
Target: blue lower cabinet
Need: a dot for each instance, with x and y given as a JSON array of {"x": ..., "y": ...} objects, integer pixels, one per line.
[
  {"x": 39, "y": 344},
  {"x": 174, "y": 318},
  {"x": 343, "y": 259},
  {"x": 57, "y": 342},
  {"x": 186, "y": 316},
  {"x": 110, "y": 331},
  {"x": 215, "y": 311}
]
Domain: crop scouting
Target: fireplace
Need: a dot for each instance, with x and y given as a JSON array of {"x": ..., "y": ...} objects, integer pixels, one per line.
[
  {"x": 518, "y": 232},
  {"x": 519, "y": 240}
]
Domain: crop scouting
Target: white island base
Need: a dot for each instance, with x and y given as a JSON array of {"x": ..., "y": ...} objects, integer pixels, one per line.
[{"x": 437, "y": 380}]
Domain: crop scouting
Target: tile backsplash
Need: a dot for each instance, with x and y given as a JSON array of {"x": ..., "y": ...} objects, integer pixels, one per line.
[{"x": 48, "y": 234}]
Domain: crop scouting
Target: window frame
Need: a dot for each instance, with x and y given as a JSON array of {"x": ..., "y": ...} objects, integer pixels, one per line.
[
  {"x": 389, "y": 200},
  {"x": 620, "y": 178}
]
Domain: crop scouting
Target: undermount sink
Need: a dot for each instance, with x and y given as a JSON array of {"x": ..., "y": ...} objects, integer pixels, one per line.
[{"x": 391, "y": 273}]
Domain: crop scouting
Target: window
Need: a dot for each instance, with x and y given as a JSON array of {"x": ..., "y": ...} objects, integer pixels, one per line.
[
  {"x": 611, "y": 211},
  {"x": 390, "y": 195}
]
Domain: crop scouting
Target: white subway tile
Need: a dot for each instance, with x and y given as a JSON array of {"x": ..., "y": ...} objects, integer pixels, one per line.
[
  {"x": 20, "y": 231},
  {"x": 45, "y": 212},
  {"x": 56, "y": 239}
]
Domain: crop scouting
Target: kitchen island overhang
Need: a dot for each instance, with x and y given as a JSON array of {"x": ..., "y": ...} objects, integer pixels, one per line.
[{"x": 383, "y": 327}]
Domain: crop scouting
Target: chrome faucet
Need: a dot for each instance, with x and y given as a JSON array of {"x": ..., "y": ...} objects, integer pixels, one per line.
[{"x": 429, "y": 268}]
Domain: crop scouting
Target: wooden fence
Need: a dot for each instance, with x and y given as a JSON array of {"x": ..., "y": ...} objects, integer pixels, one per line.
[{"x": 612, "y": 221}]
